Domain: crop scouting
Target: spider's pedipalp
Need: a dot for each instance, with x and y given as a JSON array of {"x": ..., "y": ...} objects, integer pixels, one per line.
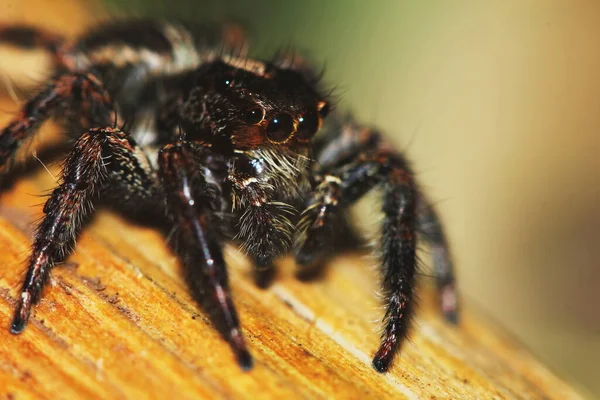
[
  {"x": 318, "y": 223},
  {"x": 264, "y": 228}
]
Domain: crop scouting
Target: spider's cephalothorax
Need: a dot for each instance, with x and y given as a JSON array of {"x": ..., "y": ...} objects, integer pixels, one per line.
[{"x": 225, "y": 148}]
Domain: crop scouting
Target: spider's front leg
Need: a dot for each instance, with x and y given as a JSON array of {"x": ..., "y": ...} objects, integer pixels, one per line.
[
  {"x": 344, "y": 185},
  {"x": 187, "y": 202},
  {"x": 76, "y": 92},
  {"x": 84, "y": 172}
]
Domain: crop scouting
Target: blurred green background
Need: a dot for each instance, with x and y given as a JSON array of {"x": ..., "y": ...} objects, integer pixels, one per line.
[{"x": 498, "y": 105}]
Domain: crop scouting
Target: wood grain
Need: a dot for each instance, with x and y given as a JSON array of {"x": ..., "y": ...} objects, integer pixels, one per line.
[{"x": 117, "y": 322}]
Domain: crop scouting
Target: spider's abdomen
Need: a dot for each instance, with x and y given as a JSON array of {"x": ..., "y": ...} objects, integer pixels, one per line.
[
  {"x": 161, "y": 48},
  {"x": 127, "y": 55}
]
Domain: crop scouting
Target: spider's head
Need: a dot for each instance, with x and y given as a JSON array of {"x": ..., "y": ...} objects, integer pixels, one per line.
[{"x": 254, "y": 105}]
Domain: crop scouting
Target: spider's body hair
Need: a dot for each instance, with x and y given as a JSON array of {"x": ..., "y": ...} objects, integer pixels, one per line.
[
  {"x": 224, "y": 146},
  {"x": 284, "y": 174}
]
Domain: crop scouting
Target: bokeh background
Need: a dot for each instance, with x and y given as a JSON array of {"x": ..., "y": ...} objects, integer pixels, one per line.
[{"x": 498, "y": 106}]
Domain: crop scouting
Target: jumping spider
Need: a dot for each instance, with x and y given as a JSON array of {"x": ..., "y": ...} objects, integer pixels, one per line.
[{"x": 224, "y": 146}]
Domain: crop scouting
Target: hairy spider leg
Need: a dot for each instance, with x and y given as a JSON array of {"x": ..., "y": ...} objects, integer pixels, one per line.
[
  {"x": 344, "y": 185},
  {"x": 349, "y": 141},
  {"x": 432, "y": 232},
  {"x": 80, "y": 91},
  {"x": 399, "y": 253},
  {"x": 185, "y": 187},
  {"x": 84, "y": 172}
]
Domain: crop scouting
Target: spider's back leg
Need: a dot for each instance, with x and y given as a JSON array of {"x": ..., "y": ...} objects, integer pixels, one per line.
[
  {"x": 432, "y": 232},
  {"x": 32, "y": 38},
  {"x": 82, "y": 93}
]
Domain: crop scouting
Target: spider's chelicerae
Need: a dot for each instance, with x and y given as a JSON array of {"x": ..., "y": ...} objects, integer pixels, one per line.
[{"x": 225, "y": 147}]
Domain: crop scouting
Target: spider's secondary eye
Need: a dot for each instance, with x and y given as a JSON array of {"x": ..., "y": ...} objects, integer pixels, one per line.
[
  {"x": 308, "y": 124},
  {"x": 323, "y": 109},
  {"x": 255, "y": 115},
  {"x": 225, "y": 82},
  {"x": 280, "y": 128}
]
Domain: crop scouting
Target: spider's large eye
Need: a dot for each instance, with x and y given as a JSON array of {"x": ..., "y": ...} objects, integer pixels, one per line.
[
  {"x": 255, "y": 115},
  {"x": 280, "y": 128},
  {"x": 308, "y": 124}
]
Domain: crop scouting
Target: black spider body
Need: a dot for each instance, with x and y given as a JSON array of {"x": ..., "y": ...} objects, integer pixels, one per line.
[{"x": 223, "y": 146}]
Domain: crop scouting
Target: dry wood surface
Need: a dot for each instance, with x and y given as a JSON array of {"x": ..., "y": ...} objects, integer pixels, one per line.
[{"x": 117, "y": 321}]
